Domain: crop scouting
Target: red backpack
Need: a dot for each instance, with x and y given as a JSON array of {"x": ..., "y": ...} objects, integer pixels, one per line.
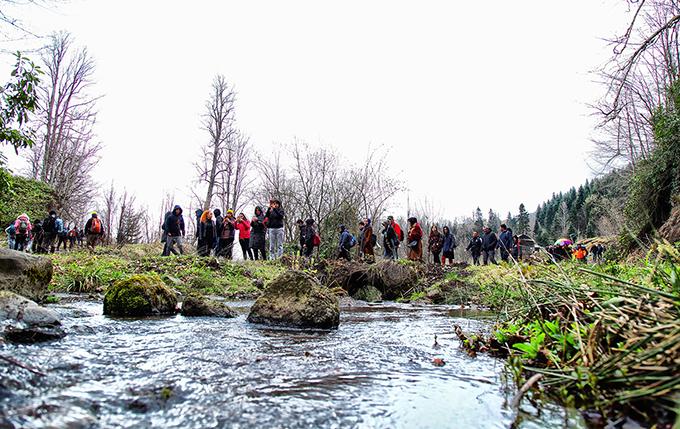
[
  {"x": 96, "y": 226},
  {"x": 316, "y": 240}
]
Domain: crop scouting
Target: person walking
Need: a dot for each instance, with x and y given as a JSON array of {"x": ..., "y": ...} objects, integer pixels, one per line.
[
  {"x": 505, "y": 242},
  {"x": 11, "y": 235},
  {"x": 400, "y": 235},
  {"x": 415, "y": 240},
  {"x": 308, "y": 238},
  {"x": 206, "y": 233},
  {"x": 22, "y": 232},
  {"x": 218, "y": 219},
  {"x": 94, "y": 230},
  {"x": 475, "y": 247},
  {"x": 243, "y": 227},
  {"x": 581, "y": 254},
  {"x": 37, "y": 244},
  {"x": 448, "y": 245},
  {"x": 52, "y": 225},
  {"x": 174, "y": 228},
  {"x": 228, "y": 234},
  {"x": 368, "y": 241},
  {"x": 258, "y": 232},
  {"x": 435, "y": 243},
  {"x": 390, "y": 240},
  {"x": 62, "y": 237},
  {"x": 346, "y": 242},
  {"x": 72, "y": 237},
  {"x": 489, "y": 245},
  {"x": 274, "y": 222},
  {"x": 300, "y": 224}
]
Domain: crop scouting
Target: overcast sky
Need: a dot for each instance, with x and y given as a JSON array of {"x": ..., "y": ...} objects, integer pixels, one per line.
[{"x": 479, "y": 103}]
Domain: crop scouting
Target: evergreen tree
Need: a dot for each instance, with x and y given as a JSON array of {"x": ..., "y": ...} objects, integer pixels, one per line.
[
  {"x": 523, "y": 220},
  {"x": 494, "y": 221},
  {"x": 479, "y": 220}
]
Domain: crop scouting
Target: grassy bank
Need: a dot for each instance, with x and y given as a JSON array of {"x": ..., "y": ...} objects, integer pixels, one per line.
[
  {"x": 82, "y": 272},
  {"x": 604, "y": 338}
]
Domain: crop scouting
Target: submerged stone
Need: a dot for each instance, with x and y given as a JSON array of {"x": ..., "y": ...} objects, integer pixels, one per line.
[
  {"x": 368, "y": 294},
  {"x": 296, "y": 299},
  {"x": 24, "y": 321},
  {"x": 196, "y": 306},
  {"x": 25, "y": 274},
  {"x": 139, "y": 295}
]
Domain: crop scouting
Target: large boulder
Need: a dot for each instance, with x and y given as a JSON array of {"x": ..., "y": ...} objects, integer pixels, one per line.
[
  {"x": 296, "y": 299},
  {"x": 24, "y": 321},
  {"x": 25, "y": 274},
  {"x": 139, "y": 295},
  {"x": 397, "y": 278},
  {"x": 196, "y": 306}
]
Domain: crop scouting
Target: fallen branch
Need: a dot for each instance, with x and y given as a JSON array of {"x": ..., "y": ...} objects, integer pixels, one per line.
[
  {"x": 524, "y": 389},
  {"x": 22, "y": 365}
]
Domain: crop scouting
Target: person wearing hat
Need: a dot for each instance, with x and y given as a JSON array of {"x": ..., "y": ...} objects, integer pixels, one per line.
[
  {"x": 227, "y": 235},
  {"x": 174, "y": 229},
  {"x": 94, "y": 230}
]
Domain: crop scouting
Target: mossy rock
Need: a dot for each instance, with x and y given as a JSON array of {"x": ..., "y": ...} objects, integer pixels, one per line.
[
  {"x": 368, "y": 294},
  {"x": 197, "y": 306},
  {"x": 296, "y": 299},
  {"x": 25, "y": 274},
  {"x": 139, "y": 295}
]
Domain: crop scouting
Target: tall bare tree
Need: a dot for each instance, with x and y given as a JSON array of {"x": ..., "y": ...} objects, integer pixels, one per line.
[
  {"x": 66, "y": 150},
  {"x": 110, "y": 206}
]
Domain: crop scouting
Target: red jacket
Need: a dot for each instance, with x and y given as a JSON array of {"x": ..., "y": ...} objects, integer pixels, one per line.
[
  {"x": 243, "y": 229},
  {"x": 415, "y": 233}
]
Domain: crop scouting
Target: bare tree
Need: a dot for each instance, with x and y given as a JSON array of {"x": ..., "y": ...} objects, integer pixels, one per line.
[
  {"x": 66, "y": 151},
  {"x": 110, "y": 207},
  {"x": 644, "y": 65}
]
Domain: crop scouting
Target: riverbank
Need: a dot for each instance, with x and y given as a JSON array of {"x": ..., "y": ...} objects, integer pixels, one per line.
[{"x": 601, "y": 338}]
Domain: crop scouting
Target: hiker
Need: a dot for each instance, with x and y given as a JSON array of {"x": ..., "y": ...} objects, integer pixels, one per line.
[
  {"x": 400, "y": 235},
  {"x": 505, "y": 242},
  {"x": 347, "y": 241},
  {"x": 475, "y": 247},
  {"x": 600, "y": 252},
  {"x": 360, "y": 235},
  {"x": 581, "y": 254},
  {"x": 448, "y": 245},
  {"x": 390, "y": 240},
  {"x": 258, "y": 232},
  {"x": 81, "y": 237},
  {"x": 274, "y": 222},
  {"x": 198, "y": 213},
  {"x": 72, "y": 237},
  {"x": 516, "y": 248},
  {"x": 300, "y": 224},
  {"x": 435, "y": 243},
  {"x": 368, "y": 241},
  {"x": 206, "y": 233},
  {"x": 62, "y": 237},
  {"x": 310, "y": 239},
  {"x": 243, "y": 226},
  {"x": 22, "y": 232},
  {"x": 218, "y": 219},
  {"x": 489, "y": 245},
  {"x": 227, "y": 235},
  {"x": 52, "y": 225},
  {"x": 174, "y": 229},
  {"x": 94, "y": 230},
  {"x": 37, "y": 244},
  {"x": 415, "y": 240},
  {"x": 11, "y": 234}
]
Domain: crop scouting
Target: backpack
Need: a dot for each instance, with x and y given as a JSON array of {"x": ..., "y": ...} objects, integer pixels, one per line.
[
  {"x": 50, "y": 225},
  {"x": 23, "y": 228},
  {"x": 316, "y": 240},
  {"x": 352, "y": 241},
  {"x": 96, "y": 226},
  {"x": 401, "y": 234}
]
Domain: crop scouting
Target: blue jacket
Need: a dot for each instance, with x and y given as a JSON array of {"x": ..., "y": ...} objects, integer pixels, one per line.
[
  {"x": 505, "y": 239},
  {"x": 449, "y": 243},
  {"x": 345, "y": 240}
]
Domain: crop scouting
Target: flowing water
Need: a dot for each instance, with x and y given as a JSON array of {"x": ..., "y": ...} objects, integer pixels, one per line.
[{"x": 376, "y": 370}]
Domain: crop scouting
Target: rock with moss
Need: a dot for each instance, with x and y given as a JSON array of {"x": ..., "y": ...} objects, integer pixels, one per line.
[
  {"x": 24, "y": 321},
  {"x": 368, "y": 294},
  {"x": 196, "y": 306},
  {"x": 139, "y": 295},
  {"x": 296, "y": 299},
  {"x": 396, "y": 278},
  {"x": 25, "y": 274}
]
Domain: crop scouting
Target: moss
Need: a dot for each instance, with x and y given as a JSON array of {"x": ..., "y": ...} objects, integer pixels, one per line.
[
  {"x": 25, "y": 196},
  {"x": 368, "y": 294},
  {"x": 139, "y": 295}
]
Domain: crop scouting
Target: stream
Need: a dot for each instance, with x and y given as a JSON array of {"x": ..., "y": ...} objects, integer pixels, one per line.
[{"x": 376, "y": 370}]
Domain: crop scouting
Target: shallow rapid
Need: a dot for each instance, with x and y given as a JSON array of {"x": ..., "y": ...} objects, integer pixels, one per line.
[{"x": 376, "y": 370}]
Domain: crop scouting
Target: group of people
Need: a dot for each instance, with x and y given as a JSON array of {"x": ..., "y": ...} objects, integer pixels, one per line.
[
  {"x": 578, "y": 252},
  {"x": 216, "y": 234},
  {"x": 50, "y": 235}
]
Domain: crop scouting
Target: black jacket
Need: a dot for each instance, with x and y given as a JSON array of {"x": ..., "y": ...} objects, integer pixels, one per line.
[
  {"x": 475, "y": 245},
  {"x": 506, "y": 241},
  {"x": 206, "y": 230},
  {"x": 489, "y": 241},
  {"x": 174, "y": 224},
  {"x": 274, "y": 218}
]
